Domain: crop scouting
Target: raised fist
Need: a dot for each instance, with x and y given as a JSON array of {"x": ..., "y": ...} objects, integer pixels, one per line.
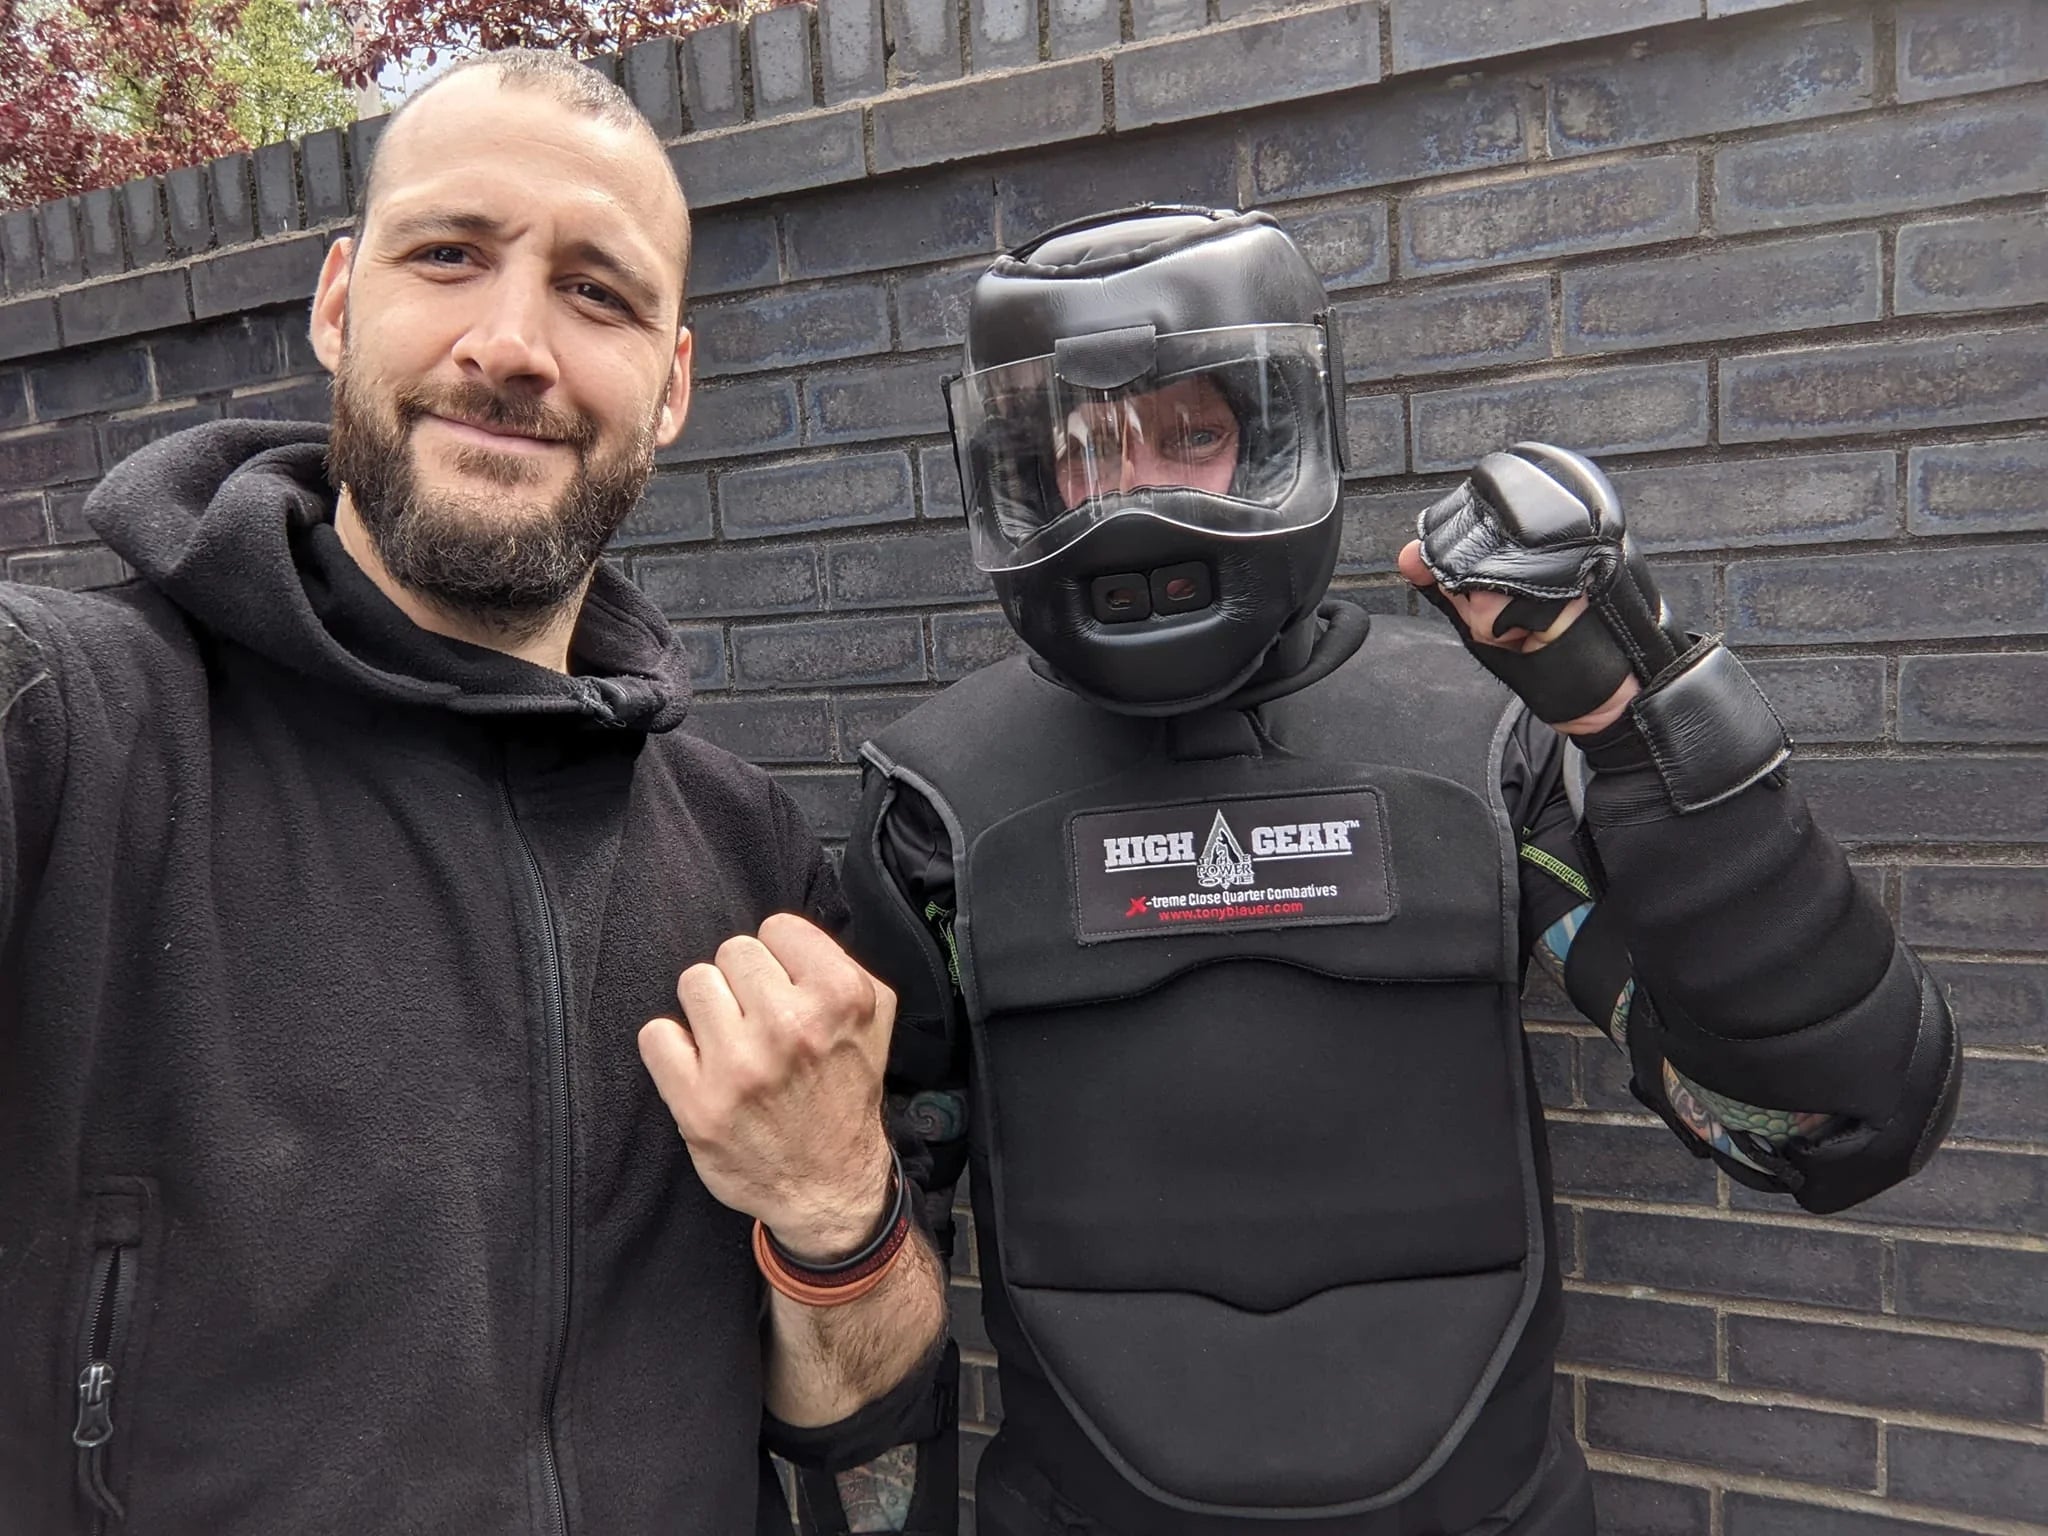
[
  {"x": 775, "y": 1082},
  {"x": 1531, "y": 560},
  {"x": 1517, "y": 555}
]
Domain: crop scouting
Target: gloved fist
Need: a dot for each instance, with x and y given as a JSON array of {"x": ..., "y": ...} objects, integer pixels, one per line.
[
  {"x": 1531, "y": 560},
  {"x": 1517, "y": 555}
]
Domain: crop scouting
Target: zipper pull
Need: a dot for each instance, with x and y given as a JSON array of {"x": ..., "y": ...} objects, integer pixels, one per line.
[{"x": 95, "y": 1407}]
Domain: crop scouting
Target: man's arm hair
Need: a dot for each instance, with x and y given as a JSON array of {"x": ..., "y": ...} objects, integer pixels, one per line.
[
  {"x": 896, "y": 1472},
  {"x": 827, "y": 1363},
  {"x": 880, "y": 1468}
]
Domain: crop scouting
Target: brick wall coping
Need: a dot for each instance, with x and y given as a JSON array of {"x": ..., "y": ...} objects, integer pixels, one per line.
[{"x": 801, "y": 97}]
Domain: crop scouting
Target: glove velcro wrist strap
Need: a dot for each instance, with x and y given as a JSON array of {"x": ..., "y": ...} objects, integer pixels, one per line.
[{"x": 1710, "y": 731}]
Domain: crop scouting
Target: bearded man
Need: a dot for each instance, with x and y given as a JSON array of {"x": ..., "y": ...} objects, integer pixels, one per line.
[{"x": 349, "y": 856}]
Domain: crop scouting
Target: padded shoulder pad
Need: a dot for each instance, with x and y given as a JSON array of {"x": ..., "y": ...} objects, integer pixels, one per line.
[{"x": 1710, "y": 730}]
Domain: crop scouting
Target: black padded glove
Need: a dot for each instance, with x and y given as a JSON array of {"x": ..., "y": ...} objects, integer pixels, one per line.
[{"x": 1544, "y": 526}]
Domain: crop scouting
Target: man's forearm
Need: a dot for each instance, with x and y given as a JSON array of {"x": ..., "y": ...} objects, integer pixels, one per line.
[
  {"x": 775, "y": 1083},
  {"x": 825, "y": 1363}
]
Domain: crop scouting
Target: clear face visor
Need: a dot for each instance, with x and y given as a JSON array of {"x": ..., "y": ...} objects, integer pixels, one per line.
[{"x": 1222, "y": 431}]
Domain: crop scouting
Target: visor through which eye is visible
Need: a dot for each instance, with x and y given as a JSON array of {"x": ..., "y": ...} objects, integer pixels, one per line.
[{"x": 1225, "y": 431}]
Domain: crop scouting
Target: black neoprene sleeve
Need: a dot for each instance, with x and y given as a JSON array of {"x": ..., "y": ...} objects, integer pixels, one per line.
[{"x": 1773, "y": 974}]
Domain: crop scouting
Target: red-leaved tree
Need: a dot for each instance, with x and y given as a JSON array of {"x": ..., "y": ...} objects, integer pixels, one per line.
[
  {"x": 388, "y": 32},
  {"x": 95, "y": 92}
]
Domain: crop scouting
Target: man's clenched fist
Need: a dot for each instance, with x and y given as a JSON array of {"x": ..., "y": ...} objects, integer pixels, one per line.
[{"x": 775, "y": 1082}]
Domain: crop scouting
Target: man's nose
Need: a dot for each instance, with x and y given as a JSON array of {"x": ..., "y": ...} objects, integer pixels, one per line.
[
  {"x": 1138, "y": 464},
  {"x": 508, "y": 342}
]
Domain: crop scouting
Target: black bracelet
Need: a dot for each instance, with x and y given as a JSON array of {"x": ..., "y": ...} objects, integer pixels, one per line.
[{"x": 898, "y": 1215}]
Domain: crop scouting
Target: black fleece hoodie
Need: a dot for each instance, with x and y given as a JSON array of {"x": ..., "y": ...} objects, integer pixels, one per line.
[{"x": 333, "y": 1194}]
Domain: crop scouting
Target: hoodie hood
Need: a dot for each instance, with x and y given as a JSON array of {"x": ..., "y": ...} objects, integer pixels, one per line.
[{"x": 233, "y": 522}]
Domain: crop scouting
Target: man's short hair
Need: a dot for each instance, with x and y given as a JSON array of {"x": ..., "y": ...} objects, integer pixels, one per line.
[{"x": 575, "y": 85}]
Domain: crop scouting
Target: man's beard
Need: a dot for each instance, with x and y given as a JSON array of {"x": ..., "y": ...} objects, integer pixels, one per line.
[{"x": 507, "y": 563}]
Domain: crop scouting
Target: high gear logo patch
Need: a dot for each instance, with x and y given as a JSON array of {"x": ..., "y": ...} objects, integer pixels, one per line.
[{"x": 1302, "y": 859}]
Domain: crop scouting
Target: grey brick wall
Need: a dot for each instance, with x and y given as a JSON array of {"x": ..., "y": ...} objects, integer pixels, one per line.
[{"x": 1784, "y": 265}]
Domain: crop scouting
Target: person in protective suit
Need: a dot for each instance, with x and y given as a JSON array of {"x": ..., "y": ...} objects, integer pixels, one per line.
[{"x": 1209, "y": 918}]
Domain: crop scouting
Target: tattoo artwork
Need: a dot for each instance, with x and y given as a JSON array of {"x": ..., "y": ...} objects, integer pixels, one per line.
[
  {"x": 1713, "y": 1116},
  {"x": 1556, "y": 942},
  {"x": 876, "y": 1495},
  {"x": 1617, "y": 1016},
  {"x": 1719, "y": 1121},
  {"x": 937, "y": 1116}
]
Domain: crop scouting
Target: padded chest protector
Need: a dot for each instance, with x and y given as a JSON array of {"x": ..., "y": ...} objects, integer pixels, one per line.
[{"x": 1247, "y": 1065}]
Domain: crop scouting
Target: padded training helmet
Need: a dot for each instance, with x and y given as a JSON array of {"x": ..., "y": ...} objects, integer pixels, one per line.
[{"x": 1149, "y": 432}]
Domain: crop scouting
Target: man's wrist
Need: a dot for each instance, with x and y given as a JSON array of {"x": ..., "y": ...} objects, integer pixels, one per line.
[{"x": 839, "y": 1227}]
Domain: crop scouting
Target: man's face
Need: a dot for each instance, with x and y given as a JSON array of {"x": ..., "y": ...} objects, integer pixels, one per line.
[
  {"x": 1185, "y": 434},
  {"x": 506, "y": 344}
]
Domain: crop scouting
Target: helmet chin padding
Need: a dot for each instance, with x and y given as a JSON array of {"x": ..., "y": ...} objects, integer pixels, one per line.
[
  {"x": 1173, "y": 270},
  {"x": 1169, "y": 663}
]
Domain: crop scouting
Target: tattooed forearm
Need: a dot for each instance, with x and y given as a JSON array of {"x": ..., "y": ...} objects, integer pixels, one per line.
[
  {"x": 1712, "y": 1116},
  {"x": 1718, "y": 1120},
  {"x": 876, "y": 1497}
]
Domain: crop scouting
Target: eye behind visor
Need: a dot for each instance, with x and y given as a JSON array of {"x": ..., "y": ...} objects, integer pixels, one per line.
[{"x": 1214, "y": 438}]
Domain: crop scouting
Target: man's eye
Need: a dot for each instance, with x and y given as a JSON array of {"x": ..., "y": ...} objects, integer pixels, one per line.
[
  {"x": 600, "y": 296},
  {"x": 444, "y": 255}
]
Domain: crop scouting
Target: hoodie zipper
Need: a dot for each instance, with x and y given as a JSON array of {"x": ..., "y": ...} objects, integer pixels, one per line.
[
  {"x": 558, "y": 1149},
  {"x": 106, "y": 1318}
]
